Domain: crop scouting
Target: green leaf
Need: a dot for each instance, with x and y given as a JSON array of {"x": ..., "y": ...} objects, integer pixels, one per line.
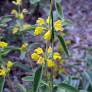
[
  {"x": 29, "y": 90},
  {"x": 83, "y": 91},
  {"x": 31, "y": 79},
  {"x": 21, "y": 88},
  {"x": 37, "y": 79},
  {"x": 34, "y": 1},
  {"x": 44, "y": 89},
  {"x": 59, "y": 9},
  {"x": 66, "y": 22},
  {"x": 88, "y": 76},
  {"x": 5, "y": 51},
  {"x": 2, "y": 80},
  {"x": 5, "y": 19},
  {"x": 22, "y": 55},
  {"x": 23, "y": 66},
  {"x": 3, "y": 25},
  {"x": 63, "y": 44},
  {"x": 28, "y": 78},
  {"x": 66, "y": 88}
]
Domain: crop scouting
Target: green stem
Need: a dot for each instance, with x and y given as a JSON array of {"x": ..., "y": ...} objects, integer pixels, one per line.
[
  {"x": 52, "y": 40},
  {"x": 46, "y": 69},
  {"x": 21, "y": 24}
]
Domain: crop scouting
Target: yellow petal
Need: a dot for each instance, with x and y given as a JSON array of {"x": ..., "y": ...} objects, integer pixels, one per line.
[
  {"x": 49, "y": 50},
  {"x": 47, "y": 35},
  {"x": 3, "y": 44},
  {"x": 58, "y": 25},
  {"x": 3, "y": 72},
  {"x": 10, "y": 64},
  {"x": 48, "y": 20},
  {"x": 50, "y": 63},
  {"x": 26, "y": 26},
  {"x": 35, "y": 56},
  {"x": 56, "y": 55},
  {"x": 24, "y": 46},
  {"x": 41, "y": 60},
  {"x": 38, "y": 30},
  {"x": 40, "y": 21},
  {"x": 39, "y": 50}
]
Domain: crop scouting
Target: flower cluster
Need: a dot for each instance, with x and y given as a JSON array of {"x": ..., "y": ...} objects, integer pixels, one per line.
[
  {"x": 18, "y": 28},
  {"x": 39, "y": 56},
  {"x": 44, "y": 27},
  {"x": 6, "y": 69}
]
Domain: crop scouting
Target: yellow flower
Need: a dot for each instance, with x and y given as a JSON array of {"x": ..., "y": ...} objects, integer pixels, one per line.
[
  {"x": 21, "y": 16},
  {"x": 14, "y": 12},
  {"x": 24, "y": 46},
  {"x": 3, "y": 72},
  {"x": 49, "y": 50},
  {"x": 35, "y": 56},
  {"x": 40, "y": 21},
  {"x": 17, "y": 2},
  {"x": 41, "y": 60},
  {"x": 15, "y": 30},
  {"x": 3, "y": 44},
  {"x": 47, "y": 35},
  {"x": 10, "y": 64},
  {"x": 56, "y": 55},
  {"x": 48, "y": 20},
  {"x": 26, "y": 26},
  {"x": 58, "y": 25},
  {"x": 17, "y": 15},
  {"x": 50, "y": 63},
  {"x": 38, "y": 30},
  {"x": 39, "y": 50}
]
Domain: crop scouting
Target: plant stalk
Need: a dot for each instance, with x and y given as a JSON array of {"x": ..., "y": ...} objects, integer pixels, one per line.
[{"x": 52, "y": 40}]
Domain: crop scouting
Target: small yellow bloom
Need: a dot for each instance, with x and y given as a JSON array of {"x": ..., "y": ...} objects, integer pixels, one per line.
[
  {"x": 3, "y": 44},
  {"x": 17, "y": 15},
  {"x": 3, "y": 72},
  {"x": 47, "y": 35},
  {"x": 48, "y": 20},
  {"x": 39, "y": 50},
  {"x": 24, "y": 46},
  {"x": 14, "y": 12},
  {"x": 41, "y": 60},
  {"x": 26, "y": 26},
  {"x": 10, "y": 64},
  {"x": 35, "y": 56},
  {"x": 40, "y": 21},
  {"x": 38, "y": 30},
  {"x": 56, "y": 55},
  {"x": 49, "y": 50},
  {"x": 17, "y": 2},
  {"x": 21, "y": 16},
  {"x": 58, "y": 25},
  {"x": 50, "y": 63},
  {"x": 15, "y": 30}
]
